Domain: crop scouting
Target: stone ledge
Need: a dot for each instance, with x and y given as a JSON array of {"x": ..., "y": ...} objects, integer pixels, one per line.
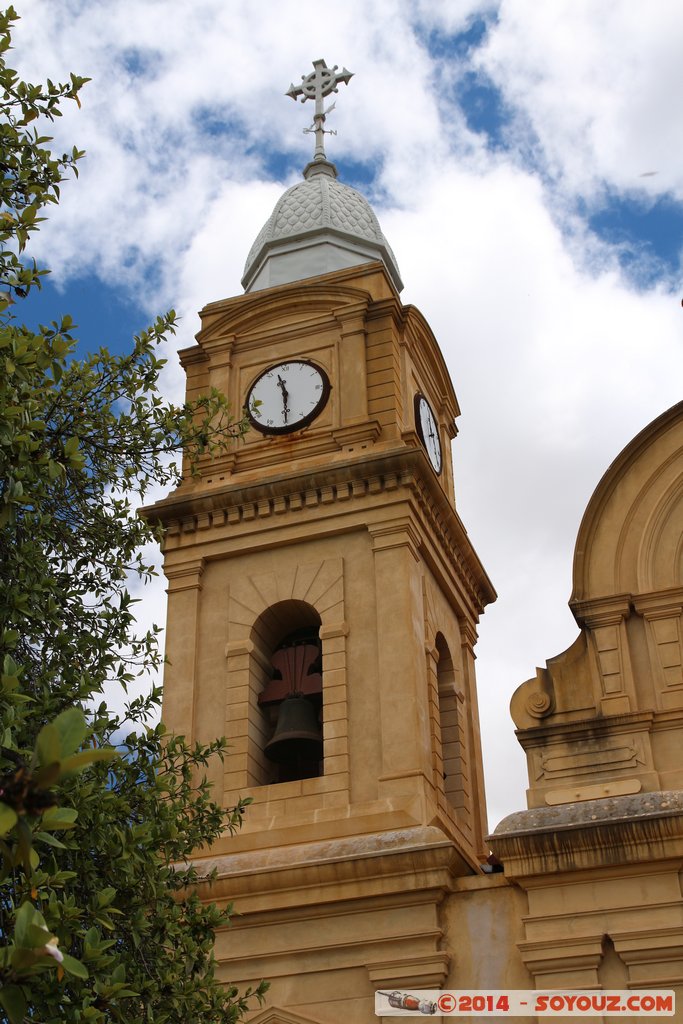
[
  {"x": 429, "y": 970},
  {"x": 402, "y": 472},
  {"x": 645, "y": 827},
  {"x": 594, "y": 812},
  {"x": 312, "y": 957},
  {"x": 382, "y": 863}
]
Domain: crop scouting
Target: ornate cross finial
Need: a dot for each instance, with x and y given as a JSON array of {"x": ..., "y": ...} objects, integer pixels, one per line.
[{"x": 320, "y": 83}]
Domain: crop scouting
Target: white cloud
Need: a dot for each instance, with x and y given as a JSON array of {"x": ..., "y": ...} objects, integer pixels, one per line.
[
  {"x": 451, "y": 16},
  {"x": 599, "y": 84},
  {"x": 556, "y": 361}
]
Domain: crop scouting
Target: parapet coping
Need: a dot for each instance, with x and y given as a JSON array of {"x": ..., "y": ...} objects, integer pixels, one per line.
[{"x": 587, "y": 813}]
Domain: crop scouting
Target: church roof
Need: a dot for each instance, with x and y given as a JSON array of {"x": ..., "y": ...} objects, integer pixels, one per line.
[{"x": 318, "y": 225}]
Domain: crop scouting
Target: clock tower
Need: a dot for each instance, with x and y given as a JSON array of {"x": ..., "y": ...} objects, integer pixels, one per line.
[{"x": 323, "y": 606}]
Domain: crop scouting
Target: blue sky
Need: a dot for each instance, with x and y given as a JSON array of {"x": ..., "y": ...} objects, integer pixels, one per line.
[
  {"x": 526, "y": 164},
  {"x": 102, "y": 314}
]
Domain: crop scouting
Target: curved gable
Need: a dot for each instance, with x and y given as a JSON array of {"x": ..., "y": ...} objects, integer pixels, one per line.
[
  {"x": 250, "y": 314},
  {"x": 631, "y": 536},
  {"x": 605, "y": 719}
]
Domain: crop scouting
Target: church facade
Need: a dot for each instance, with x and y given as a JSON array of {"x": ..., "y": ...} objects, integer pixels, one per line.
[{"x": 323, "y": 607}]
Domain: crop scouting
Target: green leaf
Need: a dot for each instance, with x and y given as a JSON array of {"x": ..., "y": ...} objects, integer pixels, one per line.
[
  {"x": 58, "y": 818},
  {"x": 48, "y": 745},
  {"x": 45, "y": 837},
  {"x": 35, "y": 937},
  {"x": 47, "y": 776},
  {"x": 9, "y": 683},
  {"x": 85, "y": 757},
  {"x": 74, "y": 966},
  {"x": 8, "y": 819},
  {"x": 71, "y": 446},
  {"x": 13, "y": 1001},
  {"x": 118, "y": 974},
  {"x": 30, "y": 930},
  {"x": 11, "y": 673},
  {"x": 105, "y": 896},
  {"x": 22, "y": 958},
  {"x": 10, "y": 666},
  {"x": 72, "y": 730}
]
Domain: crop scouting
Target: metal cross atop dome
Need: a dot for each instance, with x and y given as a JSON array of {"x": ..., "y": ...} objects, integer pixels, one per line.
[{"x": 320, "y": 83}]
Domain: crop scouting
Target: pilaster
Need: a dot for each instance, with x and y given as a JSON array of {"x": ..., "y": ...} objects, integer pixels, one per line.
[
  {"x": 404, "y": 711},
  {"x": 353, "y": 362},
  {"x": 477, "y": 809},
  {"x": 608, "y": 639},
  {"x": 182, "y": 635}
]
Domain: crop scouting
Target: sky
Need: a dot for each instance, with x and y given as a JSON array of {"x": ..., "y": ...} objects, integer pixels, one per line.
[{"x": 525, "y": 161}]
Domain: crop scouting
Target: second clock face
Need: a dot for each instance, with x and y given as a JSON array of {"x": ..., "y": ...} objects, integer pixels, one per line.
[
  {"x": 287, "y": 396},
  {"x": 428, "y": 430}
]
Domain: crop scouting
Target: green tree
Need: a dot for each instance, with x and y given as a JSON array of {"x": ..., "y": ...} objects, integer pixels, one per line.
[{"x": 97, "y": 921}]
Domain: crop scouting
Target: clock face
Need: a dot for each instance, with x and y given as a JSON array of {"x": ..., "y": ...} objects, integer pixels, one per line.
[
  {"x": 287, "y": 396},
  {"x": 428, "y": 431}
]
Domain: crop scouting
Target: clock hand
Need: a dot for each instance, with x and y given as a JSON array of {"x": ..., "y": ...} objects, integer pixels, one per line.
[{"x": 285, "y": 396}]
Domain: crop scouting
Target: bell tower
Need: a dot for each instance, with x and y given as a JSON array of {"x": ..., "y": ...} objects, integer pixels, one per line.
[{"x": 323, "y": 607}]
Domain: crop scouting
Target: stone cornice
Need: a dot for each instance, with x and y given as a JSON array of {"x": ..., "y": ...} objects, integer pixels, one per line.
[
  {"x": 185, "y": 575},
  {"x": 192, "y": 354},
  {"x": 644, "y": 828},
  {"x": 340, "y": 870},
  {"x": 585, "y": 728},
  {"x": 319, "y": 296},
  {"x": 188, "y": 509},
  {"x": 601, "y": 611},
  {"x": 660, "y": 603}
]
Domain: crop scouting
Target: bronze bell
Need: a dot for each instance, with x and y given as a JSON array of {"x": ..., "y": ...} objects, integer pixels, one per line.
[{"x": 297, "y": 735}]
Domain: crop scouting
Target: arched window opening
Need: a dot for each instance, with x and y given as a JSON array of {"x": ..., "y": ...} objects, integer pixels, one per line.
[
  {"x": 456, "y": 783},
  {"x": 289, "y": 694}
]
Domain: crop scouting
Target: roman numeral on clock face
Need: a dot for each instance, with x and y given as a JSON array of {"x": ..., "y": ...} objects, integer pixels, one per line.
[{"x": 287, "y": 396}]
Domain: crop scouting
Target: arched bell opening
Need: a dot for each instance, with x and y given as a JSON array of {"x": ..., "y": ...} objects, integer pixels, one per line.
[
  {"x": 289, "y": 693},
  {"x": 451, "y": 728}
]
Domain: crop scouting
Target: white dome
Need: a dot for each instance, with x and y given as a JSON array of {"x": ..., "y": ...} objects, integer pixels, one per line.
[{"x": 317, "y": 226}]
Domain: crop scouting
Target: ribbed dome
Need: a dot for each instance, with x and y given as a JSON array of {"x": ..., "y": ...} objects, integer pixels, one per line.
[{"x": 317, "y": 226}]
